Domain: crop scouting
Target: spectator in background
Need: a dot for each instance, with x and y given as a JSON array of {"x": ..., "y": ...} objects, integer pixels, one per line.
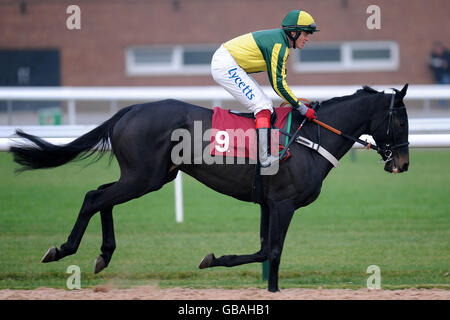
[{"x": 439, "y": 62}]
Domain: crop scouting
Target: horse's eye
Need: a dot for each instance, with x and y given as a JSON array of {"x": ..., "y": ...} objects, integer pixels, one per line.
[{"x": 402, "y": 123}]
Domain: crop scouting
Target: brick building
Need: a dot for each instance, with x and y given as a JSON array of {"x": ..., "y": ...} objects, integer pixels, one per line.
[{"x": 169, "y": 42}]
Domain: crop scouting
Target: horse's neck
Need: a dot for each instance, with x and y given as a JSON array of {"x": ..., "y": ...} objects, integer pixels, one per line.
[{"x": 351, "y": 117}]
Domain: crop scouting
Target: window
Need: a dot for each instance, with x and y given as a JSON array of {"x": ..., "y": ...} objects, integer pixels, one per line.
[
  {"x": 324, "y": 54},
  {"x": 169, "y": 60},
  {"x": 347, "y": 56},
  {"x": 197, "y": 57},
  {"x": 158, "y": 56}
]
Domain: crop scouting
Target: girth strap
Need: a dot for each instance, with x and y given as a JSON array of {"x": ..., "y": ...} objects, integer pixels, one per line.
[{"x": 321, "y": 150}]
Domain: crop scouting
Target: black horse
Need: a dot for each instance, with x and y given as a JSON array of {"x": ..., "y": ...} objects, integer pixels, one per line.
[{"x": 140, "y": 137}]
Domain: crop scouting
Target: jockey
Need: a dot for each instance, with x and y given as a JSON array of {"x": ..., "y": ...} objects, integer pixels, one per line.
[{"x": 265, "y": 50}]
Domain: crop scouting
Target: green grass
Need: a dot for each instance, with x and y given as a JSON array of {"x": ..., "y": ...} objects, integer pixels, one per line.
[{"x": 364, "y": 216}]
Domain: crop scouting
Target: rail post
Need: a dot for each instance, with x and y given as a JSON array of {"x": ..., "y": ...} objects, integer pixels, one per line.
[{"x": 179, "y": 198}]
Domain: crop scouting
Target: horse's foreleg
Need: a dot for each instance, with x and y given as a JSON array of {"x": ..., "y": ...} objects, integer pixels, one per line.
[
  {"x": 234, "y": 260},
  {"x": 280, "y": 218}
]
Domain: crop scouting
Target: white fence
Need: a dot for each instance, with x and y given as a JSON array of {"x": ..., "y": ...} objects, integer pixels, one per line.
[{"x": 213, "y": 94}]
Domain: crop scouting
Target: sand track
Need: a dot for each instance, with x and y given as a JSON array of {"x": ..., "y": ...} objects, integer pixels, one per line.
[{"x": 155, "y": 293}]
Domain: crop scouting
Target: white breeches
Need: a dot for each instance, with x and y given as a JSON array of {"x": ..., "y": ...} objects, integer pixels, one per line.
[{"x": 237, "y": 82}]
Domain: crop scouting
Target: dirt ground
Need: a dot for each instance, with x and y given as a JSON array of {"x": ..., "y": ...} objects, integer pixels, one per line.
[{"x": 106, "y": 292}]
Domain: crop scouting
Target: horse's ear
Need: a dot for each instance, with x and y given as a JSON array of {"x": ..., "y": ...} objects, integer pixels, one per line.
[{"x": 402, "y": 93}]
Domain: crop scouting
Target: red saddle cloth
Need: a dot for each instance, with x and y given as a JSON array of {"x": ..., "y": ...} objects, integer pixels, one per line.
[{"x": 235, "y": 136}]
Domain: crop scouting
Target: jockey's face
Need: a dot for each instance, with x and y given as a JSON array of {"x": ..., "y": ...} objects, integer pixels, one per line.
[{"x": 301, "y": 41}]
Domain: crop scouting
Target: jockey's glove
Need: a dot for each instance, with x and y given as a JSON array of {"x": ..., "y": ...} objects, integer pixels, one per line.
[
  {"x": 310, "y": 114},
  {"x": 304, "y": 110}
]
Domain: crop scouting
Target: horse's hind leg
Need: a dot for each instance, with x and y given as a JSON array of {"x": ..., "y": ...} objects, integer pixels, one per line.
[
  {"x": 97, "y": 200},
  {"x": 109, "y": 242},
  {"x": 108, "y": 238}
]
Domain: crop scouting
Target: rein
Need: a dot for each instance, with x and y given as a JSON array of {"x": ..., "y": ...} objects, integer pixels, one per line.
[{"x": 366, "y": 144}]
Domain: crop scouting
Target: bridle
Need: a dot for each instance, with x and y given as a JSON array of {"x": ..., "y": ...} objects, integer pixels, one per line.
[{"x": 386, "y": 151}]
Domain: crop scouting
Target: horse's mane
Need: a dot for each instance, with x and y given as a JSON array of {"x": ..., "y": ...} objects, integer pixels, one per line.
[{"x": 359, "y": 93}]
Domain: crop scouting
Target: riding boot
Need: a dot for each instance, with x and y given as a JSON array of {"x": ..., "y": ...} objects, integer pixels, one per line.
[
  {"x": 263, "y": 135},
  {"x": 265, "y": 158}
]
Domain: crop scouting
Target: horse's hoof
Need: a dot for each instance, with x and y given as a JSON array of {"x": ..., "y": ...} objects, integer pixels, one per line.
[
  {"x": 50, "y": 255},
  {"x": 100, "y": 264},
  {"x": 207, "y": 261}
]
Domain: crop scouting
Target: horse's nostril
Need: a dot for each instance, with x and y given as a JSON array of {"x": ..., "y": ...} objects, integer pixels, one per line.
[{"x": 405, "y": 166}]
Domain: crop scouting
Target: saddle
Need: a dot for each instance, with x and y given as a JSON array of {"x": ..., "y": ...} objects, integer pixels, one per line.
[{"x": 234, "y": 133}]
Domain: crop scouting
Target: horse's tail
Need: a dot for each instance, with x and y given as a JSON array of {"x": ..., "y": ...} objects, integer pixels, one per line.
[{"x": 42, "y": 154}]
